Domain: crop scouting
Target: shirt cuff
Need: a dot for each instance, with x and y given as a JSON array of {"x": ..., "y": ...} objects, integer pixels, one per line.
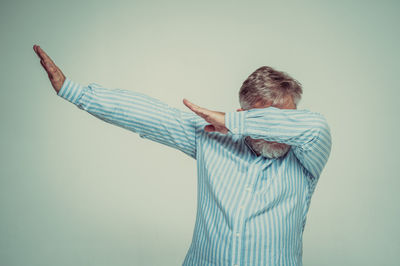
[
  {"x": 70, "y": 91},
  {"x": 234, "y": 122}
]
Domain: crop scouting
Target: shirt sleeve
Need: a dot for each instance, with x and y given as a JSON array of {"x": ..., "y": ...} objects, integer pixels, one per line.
[
  {"x": 137, "y": 112},
  {"x": 307, "y": 132}
]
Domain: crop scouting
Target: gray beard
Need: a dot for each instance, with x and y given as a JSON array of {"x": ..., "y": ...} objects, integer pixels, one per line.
[{"x": 268, "y": 149}]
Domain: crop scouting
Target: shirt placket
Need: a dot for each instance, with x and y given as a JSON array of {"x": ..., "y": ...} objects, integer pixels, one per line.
[{"x": 239, "y": 226}]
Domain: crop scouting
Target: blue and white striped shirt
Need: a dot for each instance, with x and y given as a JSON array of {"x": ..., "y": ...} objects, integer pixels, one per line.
[{"x": 251, "y": 210}]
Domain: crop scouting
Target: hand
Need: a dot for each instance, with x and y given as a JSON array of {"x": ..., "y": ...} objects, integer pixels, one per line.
[
  {"x": 56, "y": 77},
  {"x": 217, "y": 119}
]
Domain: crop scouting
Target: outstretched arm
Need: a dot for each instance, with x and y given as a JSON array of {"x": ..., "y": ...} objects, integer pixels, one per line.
[{"x": 137, "y": 112}]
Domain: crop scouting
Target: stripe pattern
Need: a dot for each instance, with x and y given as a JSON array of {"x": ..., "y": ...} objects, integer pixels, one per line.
[{"x": 251, "y": 210}]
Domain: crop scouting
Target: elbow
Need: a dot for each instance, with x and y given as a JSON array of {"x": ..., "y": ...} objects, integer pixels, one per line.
[
  {"x": 320, "y": 134},
  {"x": 324, "y": 139}
]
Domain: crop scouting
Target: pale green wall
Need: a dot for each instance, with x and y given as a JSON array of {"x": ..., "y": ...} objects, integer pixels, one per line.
[{"x": 77, "y": 191}]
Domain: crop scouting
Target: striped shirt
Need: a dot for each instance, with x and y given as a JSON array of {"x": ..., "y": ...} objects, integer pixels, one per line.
[{"x": 251, "y": 210}]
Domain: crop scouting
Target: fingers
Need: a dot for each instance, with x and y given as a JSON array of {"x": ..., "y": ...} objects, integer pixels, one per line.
[
  {"x": 195, "y": 108},
  {"x": 42, "y": 54},
  {"x": 45, "y": 60},
  {"x": 50, "y": 68},
  {"x": 48, "y": 64},
  {"x": 217, "y": 119},
  {"x": 45, "y": 67},
  {"x": 191, "y": 106}
]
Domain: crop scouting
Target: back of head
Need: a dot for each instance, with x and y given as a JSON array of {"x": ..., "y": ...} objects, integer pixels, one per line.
[{"x": 269, "y": 86}]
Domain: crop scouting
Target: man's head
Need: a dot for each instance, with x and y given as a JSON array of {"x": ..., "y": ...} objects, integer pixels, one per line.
[{"x": 267, "y": 87}]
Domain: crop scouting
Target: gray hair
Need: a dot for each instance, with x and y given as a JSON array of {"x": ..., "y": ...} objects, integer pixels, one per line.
[{"x": 269, "y": 86}]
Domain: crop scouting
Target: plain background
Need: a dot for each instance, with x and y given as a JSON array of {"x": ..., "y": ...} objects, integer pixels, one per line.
[{"x": 75, "y": 190}]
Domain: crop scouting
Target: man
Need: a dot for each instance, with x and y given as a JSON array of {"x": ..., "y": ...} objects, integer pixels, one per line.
[{"x": 257, "y": 167}]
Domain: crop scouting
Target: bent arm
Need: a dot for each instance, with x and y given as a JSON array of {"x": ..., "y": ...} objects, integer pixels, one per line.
[
  {"x": 137, "y": 112},
  {"x": 307, "y": 132}
]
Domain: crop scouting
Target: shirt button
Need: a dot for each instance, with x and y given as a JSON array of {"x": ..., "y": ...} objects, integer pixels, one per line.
[{"x": 237, "y": 234}]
